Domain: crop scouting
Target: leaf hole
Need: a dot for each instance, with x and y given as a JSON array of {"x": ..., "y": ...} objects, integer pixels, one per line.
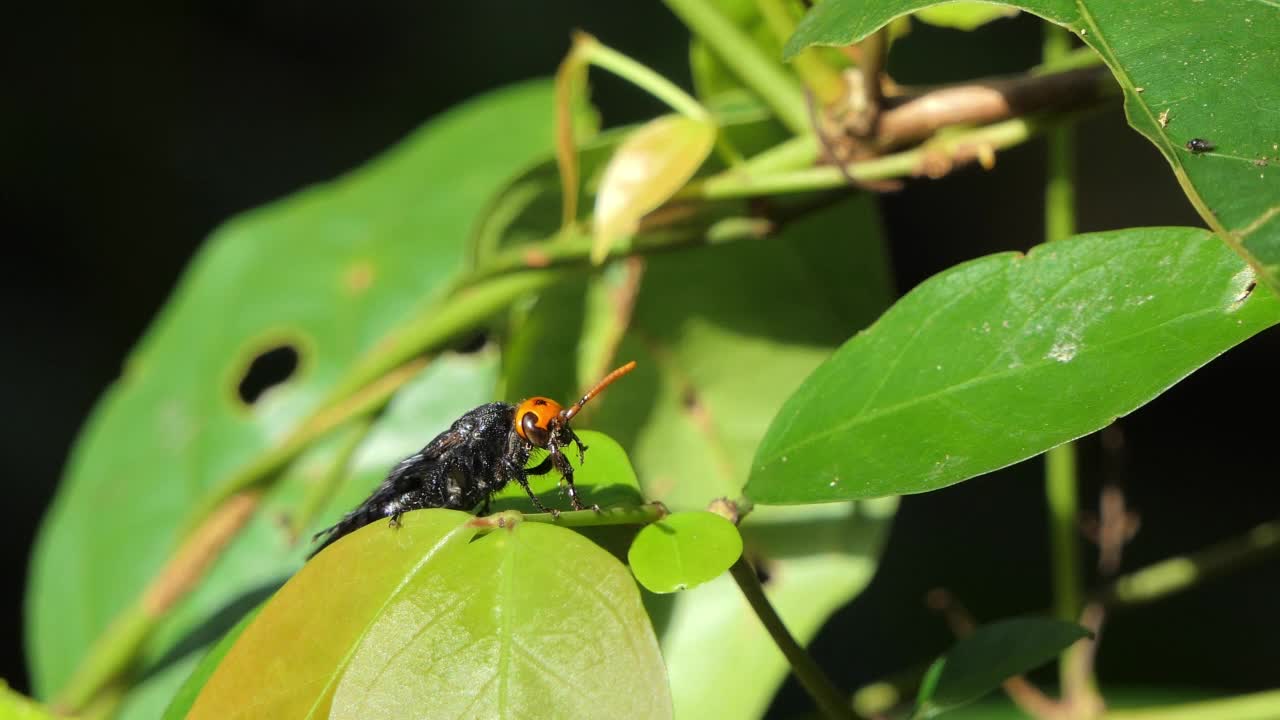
[{"x": 269, "y": 368}]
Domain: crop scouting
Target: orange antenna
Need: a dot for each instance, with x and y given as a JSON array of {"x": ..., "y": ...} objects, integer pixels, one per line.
[{"x": 599, "y": 388}]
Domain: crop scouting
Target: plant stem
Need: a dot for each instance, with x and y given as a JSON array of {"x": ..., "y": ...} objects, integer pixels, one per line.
[
  {"x": 1256, "y": 706},
  {"x": 1075, "y": 667},
  {"x": 754, "y": 68},
  {"x": 622, "y": 515},
  {"x": 1176, "y": 574},
  {"x": 114, "y": 651},
  {"x": 952, "y": 150},
  {"x": 1060, "y": 492},
  {"x": 605, "y": 57},
  {"x": 830, "y": 700},
  {"x": 823, "y": 81}
]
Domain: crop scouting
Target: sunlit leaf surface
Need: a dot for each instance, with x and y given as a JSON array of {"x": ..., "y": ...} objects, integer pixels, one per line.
[{"x": 1001, "y": 358}]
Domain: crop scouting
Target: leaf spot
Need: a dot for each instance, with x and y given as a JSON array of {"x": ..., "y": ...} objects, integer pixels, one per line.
[
  {"x": 358, "y": 277},
  {"x": 1240, "y": 288},
  {"x": 1063, "y": 351}
]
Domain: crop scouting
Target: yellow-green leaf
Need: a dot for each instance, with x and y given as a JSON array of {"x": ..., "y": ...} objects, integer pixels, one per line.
[{"x": 648, "y": 168}]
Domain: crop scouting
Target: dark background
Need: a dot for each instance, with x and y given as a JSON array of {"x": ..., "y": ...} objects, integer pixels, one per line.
[{"x": 129, "y": 134}]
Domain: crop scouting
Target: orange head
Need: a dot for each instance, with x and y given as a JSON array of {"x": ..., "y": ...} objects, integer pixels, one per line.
[
  {"x": 539, "y": 419},
  {"x": 534, "y": 419}
]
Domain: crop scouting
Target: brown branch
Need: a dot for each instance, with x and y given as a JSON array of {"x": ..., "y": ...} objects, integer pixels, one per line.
[
  {"x": 1116, "y": 526},
  {"x": 915, "y": 118},
  {"x": 194, "y": 557}
]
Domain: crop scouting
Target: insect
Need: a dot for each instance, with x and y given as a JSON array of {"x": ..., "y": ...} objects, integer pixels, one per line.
[
  {"x": 1199, "y": 145},
  {"x": 480, "y": 453}
]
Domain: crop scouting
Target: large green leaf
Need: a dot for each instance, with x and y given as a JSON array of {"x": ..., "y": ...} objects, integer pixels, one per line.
[
  {"x": 1004, "y": 357},
  {"x": 276, "y": 540},
  {"x": 1189, "y": 70},
  {"x": 333, "y": 272},
  {"x": 429, "y": 621},
  {"x": 979, "y": 663},
  {"x": 186, "y": 696},
  {"x": 722, "y": 335}
]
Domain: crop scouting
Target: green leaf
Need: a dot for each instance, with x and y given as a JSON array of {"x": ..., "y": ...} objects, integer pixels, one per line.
[
  {"x": 186, "y": 696},
  {"x": 816, "y": 558},
  {"x": 276, "y": 540},
  {"x": 1209, "y": 66},
  {"x": 1004, "y": 357},
  {"x": 648, "y": 168},
  {"x": 604, "y": 477},
  {"x": 683, "y": 551},
  {"x": 979, "y": 663},
  {"x": 963, "y": 15},
  {"x": 334, "y": 272},
  {"x": 751, "y": 320},
  {"x": 528, "y": 621}
]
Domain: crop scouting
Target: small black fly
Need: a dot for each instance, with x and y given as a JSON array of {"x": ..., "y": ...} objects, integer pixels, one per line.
[
  {"x": 480, "y": 453},
  {"x": 1199, "y": 145}
]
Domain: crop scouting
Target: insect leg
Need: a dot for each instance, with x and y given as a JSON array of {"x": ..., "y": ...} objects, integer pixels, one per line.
[
  {"x": 519, "y": 474},
  {"x": 582, "y": 449},
  {"x": 566, "y": 471},
  {"x": 541, "y": 468}
]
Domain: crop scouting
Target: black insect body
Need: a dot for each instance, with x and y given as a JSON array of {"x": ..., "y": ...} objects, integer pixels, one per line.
[
  {"x": 480, "y": 453},
  {"x": 1199, "y": 145}
]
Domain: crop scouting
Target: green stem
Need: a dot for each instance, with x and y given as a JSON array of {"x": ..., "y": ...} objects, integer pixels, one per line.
[
  {"x": 1060, "y": 492},
  {"x": 754, "y": 68},
  {"x": 109, "y": 656},
  {"x": 576, "y": 249},
  {"x": 1257, "y": 706},
  {"x": 830, "y": 700},
  {"x": 621, "y": 515},
  {"x": 1176, "y": 574},
  {"x": 1061, "y": 482},
  {"x": 823, "y": 80},
  {"x": 605, "y": 57},
  {"x": 736, "y": 184}
]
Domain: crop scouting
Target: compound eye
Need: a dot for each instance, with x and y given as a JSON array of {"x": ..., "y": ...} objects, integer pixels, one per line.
[{"x": 533, "y": 432}]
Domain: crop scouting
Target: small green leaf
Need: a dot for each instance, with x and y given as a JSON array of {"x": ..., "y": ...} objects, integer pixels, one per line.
[
  {"x": 604, "y": 477},
  {"x": 994, "y": 653},
  {"x": 648, "y": 168},
  {"x": 818, "y": 557},
  {"x": 1188, "y": 70},
  {"x": 683, "y": 551},
  {"x": 964, "y": 15},
  {"x": 1004, "y": 357}
]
